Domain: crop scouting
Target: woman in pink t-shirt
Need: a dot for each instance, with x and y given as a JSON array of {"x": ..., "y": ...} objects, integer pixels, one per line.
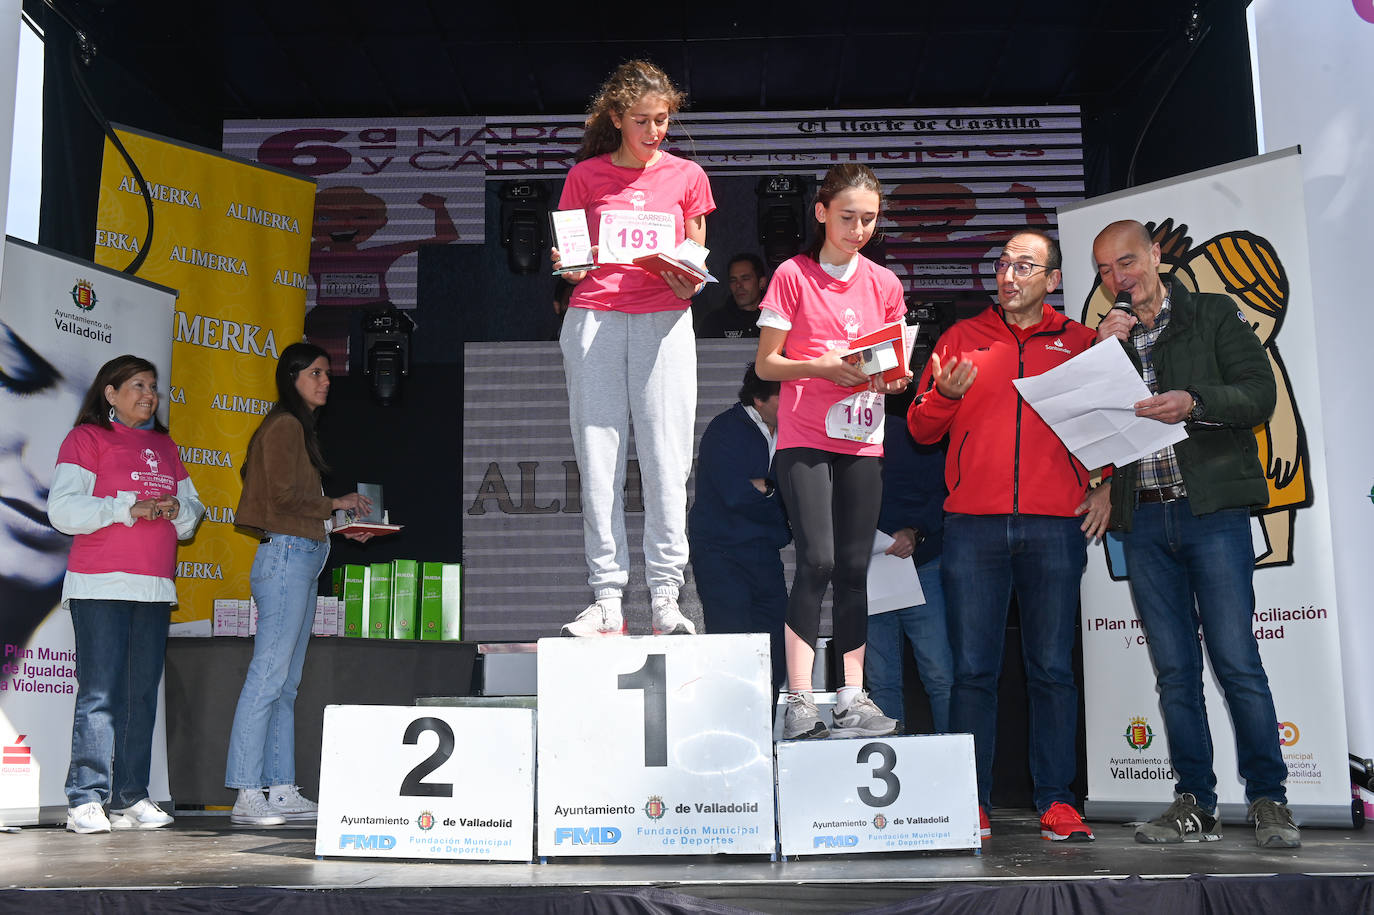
[
  {"x": 629, "y": 352},
  {"x": 120, "y": 488},
  {"x": 830, "y": 425}
]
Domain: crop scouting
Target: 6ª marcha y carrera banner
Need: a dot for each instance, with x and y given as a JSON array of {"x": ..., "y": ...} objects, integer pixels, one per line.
[{"x": 234, "y": 238}]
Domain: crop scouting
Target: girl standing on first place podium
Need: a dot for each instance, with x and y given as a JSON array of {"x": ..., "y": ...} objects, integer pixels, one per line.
[
  {"x": 830, "y": 439},
  {"x": 628, "y": 347}
]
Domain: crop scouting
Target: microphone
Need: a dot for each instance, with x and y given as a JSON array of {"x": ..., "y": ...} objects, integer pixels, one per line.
[{"x": 1123, "y": 302}]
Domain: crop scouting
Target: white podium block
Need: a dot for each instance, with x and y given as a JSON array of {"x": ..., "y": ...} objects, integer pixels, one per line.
[
  {"x": 432, "y": 782},
  {"x": 848, "y": 796},
  {"x": 656, "y": 745}
]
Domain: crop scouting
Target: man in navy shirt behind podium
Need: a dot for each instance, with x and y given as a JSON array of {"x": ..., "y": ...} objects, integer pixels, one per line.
[{"x": 737, "y": 526}]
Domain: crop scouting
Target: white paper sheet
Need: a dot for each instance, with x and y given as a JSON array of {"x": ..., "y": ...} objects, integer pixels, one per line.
[
  {"x": 892, "y": 582},
  {"x": 1089, "y": 402}
]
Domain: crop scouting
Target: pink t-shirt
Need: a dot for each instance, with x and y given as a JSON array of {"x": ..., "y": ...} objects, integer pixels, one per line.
[
  {"x": 125, "y": 460},
  {"x": 671, "y": 185},
  {"x": 825, "y": 314}
]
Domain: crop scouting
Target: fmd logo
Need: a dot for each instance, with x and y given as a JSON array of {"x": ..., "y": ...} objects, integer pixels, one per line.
[
  {"x": 594, "y": 835},
  {"x": 834, "y": 841},
  {"x": 367, "y": 843}
]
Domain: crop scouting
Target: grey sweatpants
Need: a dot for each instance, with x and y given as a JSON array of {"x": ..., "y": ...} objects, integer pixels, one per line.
[{"x": 624, "y": 367}]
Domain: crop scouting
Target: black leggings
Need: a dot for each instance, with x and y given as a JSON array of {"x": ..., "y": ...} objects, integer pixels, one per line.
[{"x": 833, "y": 502}]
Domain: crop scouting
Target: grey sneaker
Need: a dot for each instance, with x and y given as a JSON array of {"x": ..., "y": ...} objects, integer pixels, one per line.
[
  {"x": 252, "y": 809},
  {"x": 1184, "y": 821},
  {"x": 802, "y": 721},
  {"x": 596, "y": 620},
  {"x": 862, "y": 718},
  {"x": 1274, "y": 826},
  {"x": 668, "y": 619},
  {"x": 288, "y": 801}
]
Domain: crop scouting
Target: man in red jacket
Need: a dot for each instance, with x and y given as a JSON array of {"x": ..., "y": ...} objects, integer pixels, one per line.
[{"x": 1012, "y": 521}]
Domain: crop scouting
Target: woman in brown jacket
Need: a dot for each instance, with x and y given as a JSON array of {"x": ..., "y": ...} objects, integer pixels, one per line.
[{"x": 283, "y": 502}]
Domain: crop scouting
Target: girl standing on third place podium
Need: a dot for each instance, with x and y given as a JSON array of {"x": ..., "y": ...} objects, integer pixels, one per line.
[
  {"x": 830, "y": 439},
  {"x": 627, "y": 342}
]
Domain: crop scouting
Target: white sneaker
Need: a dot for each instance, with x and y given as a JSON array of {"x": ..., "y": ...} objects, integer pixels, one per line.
[
  {"x": 88, "y": 818},
  {"x": 143, "y": 815},
  {"x": 597, "y": 620},
  {"x": 252, "y": 809},
  {"x": 288, "y": 801},
  {"x": 668, "y": 619}
]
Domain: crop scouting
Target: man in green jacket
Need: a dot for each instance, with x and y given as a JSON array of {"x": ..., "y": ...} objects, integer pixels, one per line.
[{"x": 1184, "y": 514}]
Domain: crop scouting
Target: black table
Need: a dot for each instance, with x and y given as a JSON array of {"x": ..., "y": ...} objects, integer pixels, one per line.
[{"x": 204, "y": 677}]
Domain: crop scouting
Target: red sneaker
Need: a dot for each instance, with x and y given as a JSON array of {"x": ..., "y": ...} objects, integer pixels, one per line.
[
  {"x": 1061, "y": 823},
  {"x": 984, "y": 826}
]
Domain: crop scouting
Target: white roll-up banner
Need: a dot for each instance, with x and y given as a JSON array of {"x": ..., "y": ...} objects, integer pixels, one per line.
[
  {"x": 1313, "y": 67},
  {"x": 1240, "y": 230},
  {"x": 60, "y": 320}
]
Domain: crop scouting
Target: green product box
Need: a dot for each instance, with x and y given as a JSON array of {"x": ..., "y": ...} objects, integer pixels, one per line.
[
  {"x": 336, "y": 576},
  {"x": 405, "y": 598},
  {"x": 356, "y": 580},
  {"x": 432, "y": 600},
  {"x": 451, "y": 627},
  {"x": 379, "y": 602}
]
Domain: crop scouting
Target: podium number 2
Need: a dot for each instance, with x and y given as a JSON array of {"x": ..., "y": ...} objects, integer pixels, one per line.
[
  {"x": 652, "y": 678},
  {"x": 883, "y": 772},
  {"x": 414, "y": 784}
]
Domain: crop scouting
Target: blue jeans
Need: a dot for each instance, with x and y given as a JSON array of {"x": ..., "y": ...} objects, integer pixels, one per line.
[
  {"x": 743, "y": 589},
  {"x": 120, "y": 648},
  {"x": 1042, "y": 557},
  {"x": 1188, "y": 572},
  {"x": 262, "y": 744},
  {"x": 924, "y": 625}
]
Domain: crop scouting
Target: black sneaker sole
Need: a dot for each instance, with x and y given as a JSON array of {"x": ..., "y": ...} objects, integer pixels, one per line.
[
  {"x": 860, "y": 732},
  {"x": 1170, "y": 840},
  {"x": 1279, "y": 842}
]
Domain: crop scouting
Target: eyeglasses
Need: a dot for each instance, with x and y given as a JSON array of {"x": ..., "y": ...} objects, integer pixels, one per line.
[{"x": 1022, "y": 269}]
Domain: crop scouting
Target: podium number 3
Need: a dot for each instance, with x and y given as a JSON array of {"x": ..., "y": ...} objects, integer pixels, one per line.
[
  {"x": 414, "y": 784},
  {"x": 883, "y": 772},
  {"x": 651, "y": 678}
]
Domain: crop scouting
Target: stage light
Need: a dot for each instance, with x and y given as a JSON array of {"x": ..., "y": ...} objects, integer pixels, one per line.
[
  {"x": 386, "y": 345},
  {"x": 781, "y": 216},
  {"x": 524, "y": 224}
]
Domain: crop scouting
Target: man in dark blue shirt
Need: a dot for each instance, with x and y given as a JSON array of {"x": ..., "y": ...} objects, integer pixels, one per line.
[{"x": 737, "y": 526}]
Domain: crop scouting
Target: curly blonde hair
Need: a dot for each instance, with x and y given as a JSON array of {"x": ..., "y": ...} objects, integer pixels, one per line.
[{"x": 629, "y": 83}]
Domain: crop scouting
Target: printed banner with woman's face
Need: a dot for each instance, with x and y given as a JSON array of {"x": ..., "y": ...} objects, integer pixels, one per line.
[{"x": 60, "y": 320}]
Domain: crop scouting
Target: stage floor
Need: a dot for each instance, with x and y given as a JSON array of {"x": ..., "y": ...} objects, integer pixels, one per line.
[{"x": 204, "y": 851}]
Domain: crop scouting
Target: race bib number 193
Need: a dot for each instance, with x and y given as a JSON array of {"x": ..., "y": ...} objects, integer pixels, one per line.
[{"x": 627, "y": 234}]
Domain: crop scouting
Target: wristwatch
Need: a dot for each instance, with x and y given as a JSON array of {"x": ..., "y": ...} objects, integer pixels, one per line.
[{"x": 1195, "y": 414}]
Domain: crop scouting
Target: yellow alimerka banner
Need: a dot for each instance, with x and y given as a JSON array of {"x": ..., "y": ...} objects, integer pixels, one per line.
[{"x": 234, "y": 238}]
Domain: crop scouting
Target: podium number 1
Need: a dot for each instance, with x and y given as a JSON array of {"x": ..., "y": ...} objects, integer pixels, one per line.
[{"x": 652, "y": 678}]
